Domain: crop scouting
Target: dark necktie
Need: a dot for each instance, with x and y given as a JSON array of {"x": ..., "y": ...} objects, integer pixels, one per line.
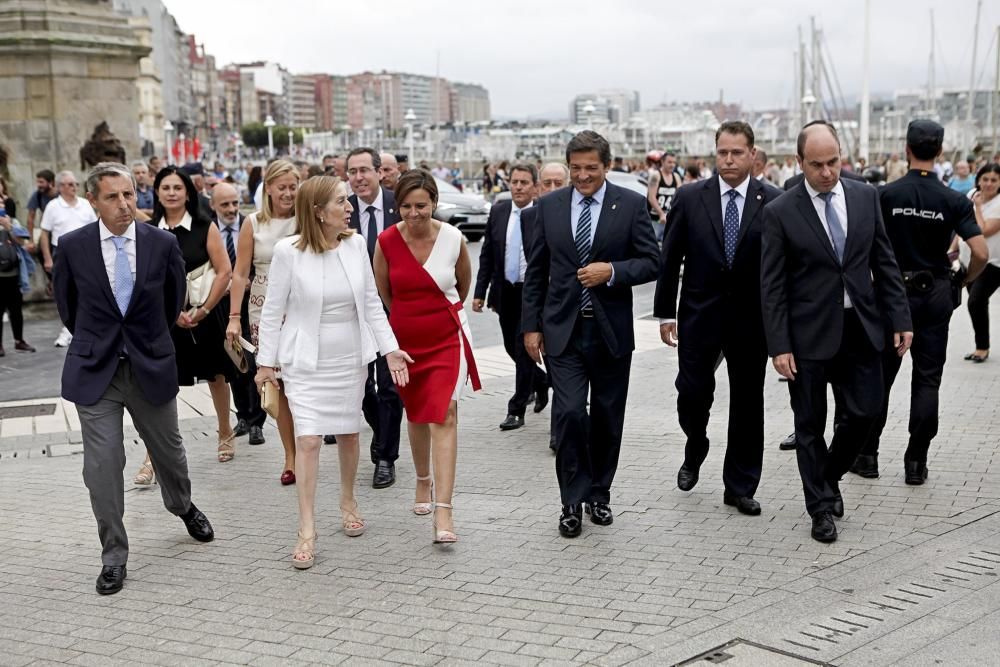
[
  {"x": 731, "y": 227},
  {"x": 372, "y": 235},
  {"x": 230, "y": 247},
  {"x": 837, "y": 234},
  {"x": 583, "y": 245}
]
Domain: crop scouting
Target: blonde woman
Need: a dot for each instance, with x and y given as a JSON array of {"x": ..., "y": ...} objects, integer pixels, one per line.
[
  {"x": 275, "y": 221},
  {"x": 322, "y": 323}
]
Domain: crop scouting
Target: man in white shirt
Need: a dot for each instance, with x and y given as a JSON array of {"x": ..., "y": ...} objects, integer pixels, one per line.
[
  {"x": 65, "y": 214},
  {"x": 501, "y": 275}
]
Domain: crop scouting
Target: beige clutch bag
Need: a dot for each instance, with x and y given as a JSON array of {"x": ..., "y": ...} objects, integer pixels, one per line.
[{"x": 269, "y": 399}]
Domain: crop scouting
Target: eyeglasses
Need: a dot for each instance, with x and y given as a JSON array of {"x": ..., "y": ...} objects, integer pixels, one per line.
[
  {"x": 72, "y": 185},
  {"x": 364, "y": 171}
]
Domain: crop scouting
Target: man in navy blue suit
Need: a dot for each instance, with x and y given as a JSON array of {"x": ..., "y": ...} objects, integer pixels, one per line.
[
  {"x": 591, "y": 243},
  {"x": 713, "y": 229},
  {"x": 374, "y": 212},
  {"x": 119, "y": 287}
]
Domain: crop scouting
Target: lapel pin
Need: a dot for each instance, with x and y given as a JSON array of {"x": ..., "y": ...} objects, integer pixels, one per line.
[
  {"x": 614, "y": 206},
  {"x": 391, "y": 211},
  {"x": 758, "y": 197}
]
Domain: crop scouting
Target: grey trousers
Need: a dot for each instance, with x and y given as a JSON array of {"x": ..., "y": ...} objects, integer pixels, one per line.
[{"x": 104, "y": 457}]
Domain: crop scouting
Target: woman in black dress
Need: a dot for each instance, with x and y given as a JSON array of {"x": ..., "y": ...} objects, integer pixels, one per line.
[{"x": 199, "y": 333}]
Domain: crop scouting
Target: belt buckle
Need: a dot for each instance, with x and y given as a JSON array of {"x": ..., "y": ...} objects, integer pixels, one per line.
[{"x": 587, "y": 313}]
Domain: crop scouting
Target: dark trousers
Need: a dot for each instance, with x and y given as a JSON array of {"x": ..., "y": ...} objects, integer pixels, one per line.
[
  {"x": 856, "y": 372},
  {"x": 746, "y": 362},
  {"x": 383, "y": 411},
  {"x": 245, "y": 395},
  {"x": 980, "y": 292},
  {"x": 931, "y": 313},
  {"x": 11, "y": 302},
  {"x": 588, "y": 444},
  {"x": 528, "y": 377}
]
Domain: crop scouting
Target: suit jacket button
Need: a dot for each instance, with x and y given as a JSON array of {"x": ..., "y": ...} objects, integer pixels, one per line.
[{"x": 840, "y": 300}]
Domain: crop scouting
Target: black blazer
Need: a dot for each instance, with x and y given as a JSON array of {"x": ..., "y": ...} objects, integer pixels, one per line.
[
  {"x": 88, "y": 308},
  {"x": 712, "y": 294},
  {"x": 844, "y": 173},
  {"x": 802, "y": 283},
  {"x": 493, "y": 254},
  {"x": 389, "y": 213},
  {"x": 624, "y": 237}
]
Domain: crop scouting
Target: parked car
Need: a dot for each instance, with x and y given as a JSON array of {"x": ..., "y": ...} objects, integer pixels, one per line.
[{"x": 466, "y": 212}]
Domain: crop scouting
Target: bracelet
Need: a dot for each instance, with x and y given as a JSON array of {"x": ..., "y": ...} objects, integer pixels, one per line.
[
  {"x": 204, "y": 310},
  {"x": 234, "y": 316}
]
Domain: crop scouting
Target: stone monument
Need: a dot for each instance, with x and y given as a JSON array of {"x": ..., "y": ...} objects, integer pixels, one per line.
[{"x": 66, "y": 66}]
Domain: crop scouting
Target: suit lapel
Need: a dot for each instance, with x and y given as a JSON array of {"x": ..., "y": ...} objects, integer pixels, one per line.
[
  {"x": 143, "y": 255},
  {"x": 711, "y": 198},
  {"x": 503, "y": 219},
  {"x": 853, "y": 201},
  {"x": 563, "y": 228},
  {"x": 101, "y": 270},
  {"x": 813, "y": 222},
  {"x": 755, "y": 199},
  {"x": 605, "y": 219},
  {"x": 355, "y": 222}
]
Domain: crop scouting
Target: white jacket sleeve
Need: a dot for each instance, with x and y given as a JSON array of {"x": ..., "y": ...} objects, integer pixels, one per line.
[
  {"x": 375, "y": 311},
  {"x": 279, "y": 282}
]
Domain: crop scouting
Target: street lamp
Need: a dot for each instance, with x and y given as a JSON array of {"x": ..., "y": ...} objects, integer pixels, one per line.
[
  {"x": 184, "y": 153},
  {"x": 168, "y": 130},
  {"x": 239, "y": 144},
  {"x": 409, "y": 118},
  {"x": 589, "y": 110},
  {"x": 808, "y": 100},
  {"x": 269, "y": 124},
  {"x": 291, "y": 142}
]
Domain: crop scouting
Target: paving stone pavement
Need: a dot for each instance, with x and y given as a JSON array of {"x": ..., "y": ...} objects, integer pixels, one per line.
[{"x": 913, "y": 577}]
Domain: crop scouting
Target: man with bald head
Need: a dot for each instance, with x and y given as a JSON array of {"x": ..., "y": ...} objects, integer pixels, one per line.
[
  {"x": 388, "y": 171},
  {"x": 250, "y": 416},
  {"x": 829, "y": 285}
]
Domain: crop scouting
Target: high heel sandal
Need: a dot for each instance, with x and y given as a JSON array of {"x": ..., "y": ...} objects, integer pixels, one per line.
[
  {"x": 227, "y": 448},
  {"x": 442, "y": 536},
  {"x": 354, "y": 525},
  {"x": 307, "y": 546},
  {"x": 423, "y": 509},
  {"x": 146, "y": 476}
]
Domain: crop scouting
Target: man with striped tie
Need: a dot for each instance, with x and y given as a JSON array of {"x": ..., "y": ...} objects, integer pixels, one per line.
[
  {"x": 250, "y": 417},
  {"x": 592, "y": 242},
  {"x": 119, "y": 287}
]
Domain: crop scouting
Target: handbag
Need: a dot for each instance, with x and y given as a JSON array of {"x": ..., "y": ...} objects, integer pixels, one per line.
[
  {"x": 236, "y": 354},
  {"x": 199, "y": 284},
  {"x": 269, "y": 399}
]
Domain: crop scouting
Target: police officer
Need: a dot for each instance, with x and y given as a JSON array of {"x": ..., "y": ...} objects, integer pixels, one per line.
[{"x": 921, "y": 217}]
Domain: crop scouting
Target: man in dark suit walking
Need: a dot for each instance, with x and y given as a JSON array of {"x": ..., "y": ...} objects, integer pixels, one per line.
[
  {"x": 374, "y": 212},
  {"x": 829, "y": 284},
  {"x": 119, "y": 287},
  {"x": 591, "y": 243},
  {"x": 502, "y": 264},
  {"x": 714, "y": 231}
]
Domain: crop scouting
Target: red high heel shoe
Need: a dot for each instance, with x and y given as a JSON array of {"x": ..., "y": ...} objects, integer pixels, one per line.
[{"x": 288, "y": 478}]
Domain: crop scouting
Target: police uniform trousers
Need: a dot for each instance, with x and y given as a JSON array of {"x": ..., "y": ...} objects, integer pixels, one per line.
[
  {"x": 855, "y": 371},
  {"x": 931, "y": 312},
  {"x": 528, "y": 378}
]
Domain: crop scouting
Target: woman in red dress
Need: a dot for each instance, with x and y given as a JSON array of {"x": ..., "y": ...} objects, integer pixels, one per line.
[{"x": 423, "y": 273}]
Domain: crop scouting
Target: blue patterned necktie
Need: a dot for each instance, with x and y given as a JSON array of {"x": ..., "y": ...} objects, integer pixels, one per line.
[
  {"x": 123, "y": 274},
  {"x": 837, "y": 234},
  {"x": 583, "y": 245},
  {"x": 512, "y": 257},
  {"x": 230, "y": 247},
  {"x": 731, "y": 227}
]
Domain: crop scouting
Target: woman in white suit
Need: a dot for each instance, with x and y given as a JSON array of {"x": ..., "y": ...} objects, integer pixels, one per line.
[{"x": 322, "y": 322}]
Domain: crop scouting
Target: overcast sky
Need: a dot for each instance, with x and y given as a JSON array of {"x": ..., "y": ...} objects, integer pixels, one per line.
[{"x": 535, "y": 56}]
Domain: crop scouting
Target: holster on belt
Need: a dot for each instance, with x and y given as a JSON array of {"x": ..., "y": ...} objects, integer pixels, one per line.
[
  {"x": 957, "y": 279},
  {"x": 919, "y": 282}
]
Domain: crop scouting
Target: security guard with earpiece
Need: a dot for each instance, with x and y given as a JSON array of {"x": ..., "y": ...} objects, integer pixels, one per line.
[{"x": 921, "y": 217}]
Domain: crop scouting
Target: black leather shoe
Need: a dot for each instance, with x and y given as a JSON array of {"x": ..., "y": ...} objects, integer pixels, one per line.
[
  {"x": 385, "y": 475},
  {"x": 916, "y": 472},
  {"x": 687, "y": 478},
  {"x": 197, "y": 525},
  {"x": 824, "y": 529},
  {"x": 256, "y": 435},
  {"x": 865, "y": 465},
  {"x": 242, "y": 428},
  {"x": 541, "y": 400},
  {"x": 600, "y": 513},
  {"x": 329, "y": 440},
  {"x": 571, "y": 521},
  {"x": 512, "y": 422},
  {"x": 788, "y": 443},
  {"x": 745, "y": 504},
  {"x": 111, "y": 580}
]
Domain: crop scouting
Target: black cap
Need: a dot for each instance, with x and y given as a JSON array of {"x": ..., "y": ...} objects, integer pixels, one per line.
[
  {"x": 924, "y": 137},
  {"x": 193, "y": 169},
  {"x": 402, "y": 157}
]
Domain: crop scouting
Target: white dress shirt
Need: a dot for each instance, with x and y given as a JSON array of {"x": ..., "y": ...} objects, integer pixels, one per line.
[
  {"x": 236, "y": 233},
  {"x": 839, "y": 203},
  {"x": 515, "y": 219},
  {"x": 61, "y": 218},
  {"x": 363, "y": 214},
  {"x": 110, "y": 252}
]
